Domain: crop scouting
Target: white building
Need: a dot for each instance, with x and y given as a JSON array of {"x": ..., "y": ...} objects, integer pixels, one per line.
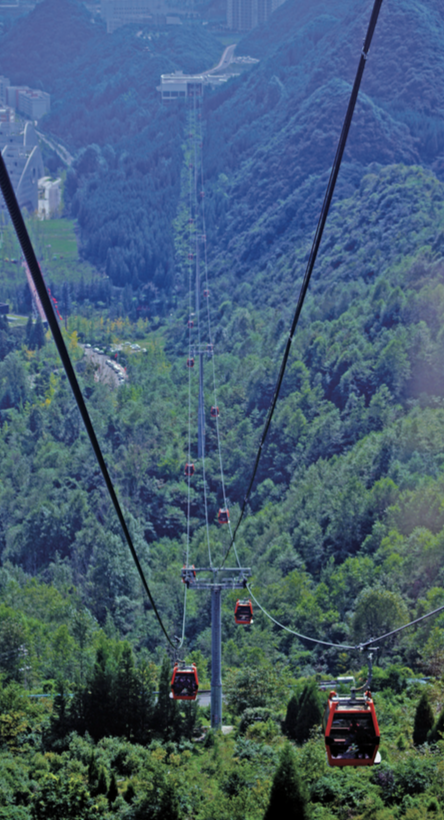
[
  {"x": 34, "y": 104},
  {"x": 50, "y": 197},
  {"x": 243, "y": 15},
  {"x": 4, "y": 83},
  {"x": 23, "y": 160}
]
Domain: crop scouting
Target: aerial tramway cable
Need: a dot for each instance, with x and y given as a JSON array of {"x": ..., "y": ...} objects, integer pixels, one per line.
[
  {"x": 30, "y": 257},
  {"x": 210, "y": 337},
  {"x": 364, "y": 645},
  {"x": 314, "y": 252}
]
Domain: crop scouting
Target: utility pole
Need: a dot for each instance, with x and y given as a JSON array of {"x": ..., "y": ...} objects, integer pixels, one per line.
[{"x": 227, "y": 578}]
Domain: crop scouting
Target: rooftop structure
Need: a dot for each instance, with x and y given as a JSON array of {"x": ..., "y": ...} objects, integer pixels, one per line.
[
  {"x": 179, "y": 85},
  {"x": 49, "y": 191}
]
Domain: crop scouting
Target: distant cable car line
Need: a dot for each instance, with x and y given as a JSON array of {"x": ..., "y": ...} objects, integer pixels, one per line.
[{"x": 314, "y": 252}]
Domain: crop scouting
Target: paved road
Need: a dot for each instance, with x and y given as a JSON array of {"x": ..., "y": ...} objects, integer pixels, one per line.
[
  {"x": 64, "y": 155},
  {"x": 225, "y": 60}
]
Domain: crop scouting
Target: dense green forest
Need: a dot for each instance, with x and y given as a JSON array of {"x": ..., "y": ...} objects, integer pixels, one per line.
[{"x": 345, "y": 525}]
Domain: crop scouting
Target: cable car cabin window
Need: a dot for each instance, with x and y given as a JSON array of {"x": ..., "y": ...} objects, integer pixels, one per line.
[{"x": 351, "y": 739}]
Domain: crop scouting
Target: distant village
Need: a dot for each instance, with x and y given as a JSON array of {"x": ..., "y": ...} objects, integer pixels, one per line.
[{"x": 240, "y": 15}]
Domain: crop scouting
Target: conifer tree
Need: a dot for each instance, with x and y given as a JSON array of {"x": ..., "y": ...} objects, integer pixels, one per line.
[
  {"x": 423, "y": 720},
  {"x": 437, "y": 732},
  {"x": 303, "y": 713},
  {"x": 93, "y": 774},
  {"x": 310, "y": 711},
  {"x": 113, "y": 791},
  {"x": 288, "y": 800},
  {"x": 126, "y": 695},
  {"x": 290, "y": 722},
  {"x": 102, "y": 785},
  {"x": 166, "y": 713}
]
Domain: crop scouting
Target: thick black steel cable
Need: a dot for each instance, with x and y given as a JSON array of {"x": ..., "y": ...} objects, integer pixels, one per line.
[
  {"x": 314, "y": 251},
  {"x": 28, "y": 252},
  {"x": 361, "y": 646},
  {"x": 368, "y": 644}
]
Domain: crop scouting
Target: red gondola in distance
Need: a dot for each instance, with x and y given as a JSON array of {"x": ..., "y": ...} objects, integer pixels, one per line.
[
  {"x": 224, "y": 515},
  {"x": 202, "y": 194},
  {"x": 214, "y": 412},
  {"x": 188, "y": 574},
  {"x": 351, "y": 731},
  {"x": 184, "y": 683},
  {"x": 210, "y": 349},
  {"x": 243, "y": 613},
  {"x": 190, "y": 362},
  {"x": 190, "y": 323},
  {"x": 190, "y": 257},
  {"x": 206, "y": 293},
  {"x": 189, "y": 469}
]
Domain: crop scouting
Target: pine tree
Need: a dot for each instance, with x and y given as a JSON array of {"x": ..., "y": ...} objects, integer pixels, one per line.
[
  {"x": 290, "y": 722},
  {"x": 303, "y": 713},
  {"x": 423, "y": 720},
  {"x": 102, "y": 785},
  {"x": 126, "y": 695},
  {"x": 93, "y": 774},
  {"x": 310, "y": 711},
  {"x": 113, "y": 791},
  {"x": 437, "y": 732},
  {"x": 166, "y": 713},
  {"x": 288, "y": 800}
]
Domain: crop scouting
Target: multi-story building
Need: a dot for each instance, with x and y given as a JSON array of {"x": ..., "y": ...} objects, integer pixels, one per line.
[
  {"x": 23, "y": 160},
  {"x": 243, "y": 15},
  {"x": 118, "y": 13},
  {"x": 33, "y": 104},
  {"x": 4, "y": 83}
]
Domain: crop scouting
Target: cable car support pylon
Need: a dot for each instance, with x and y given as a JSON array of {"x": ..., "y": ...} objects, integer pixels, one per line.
[{"x": 229, "y": 578}]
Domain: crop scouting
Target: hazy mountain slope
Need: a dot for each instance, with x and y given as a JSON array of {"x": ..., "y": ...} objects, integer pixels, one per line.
[
  {"x": 103, "y": 86},
  {"x": 275, "y": 129}
]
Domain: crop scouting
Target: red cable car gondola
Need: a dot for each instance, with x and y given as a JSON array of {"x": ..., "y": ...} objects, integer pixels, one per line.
[
  {"x": 209, "y": 349},
  {"x": 190, "y": 323},
  {"x": 224, "y": 515},
  {"x": 214, "y": 412},
  {"x": 206, "y": 293},
  {"x": 190, "y": 362},
  {"x": 190, "y": 257},
  {"x": 184, "y": 683},
  {"x": 351, "y": 730},
  {"x": 188, "y": 575},
  {"x": 243, "y": 613},
  {"x": 189, "y": 469}
]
